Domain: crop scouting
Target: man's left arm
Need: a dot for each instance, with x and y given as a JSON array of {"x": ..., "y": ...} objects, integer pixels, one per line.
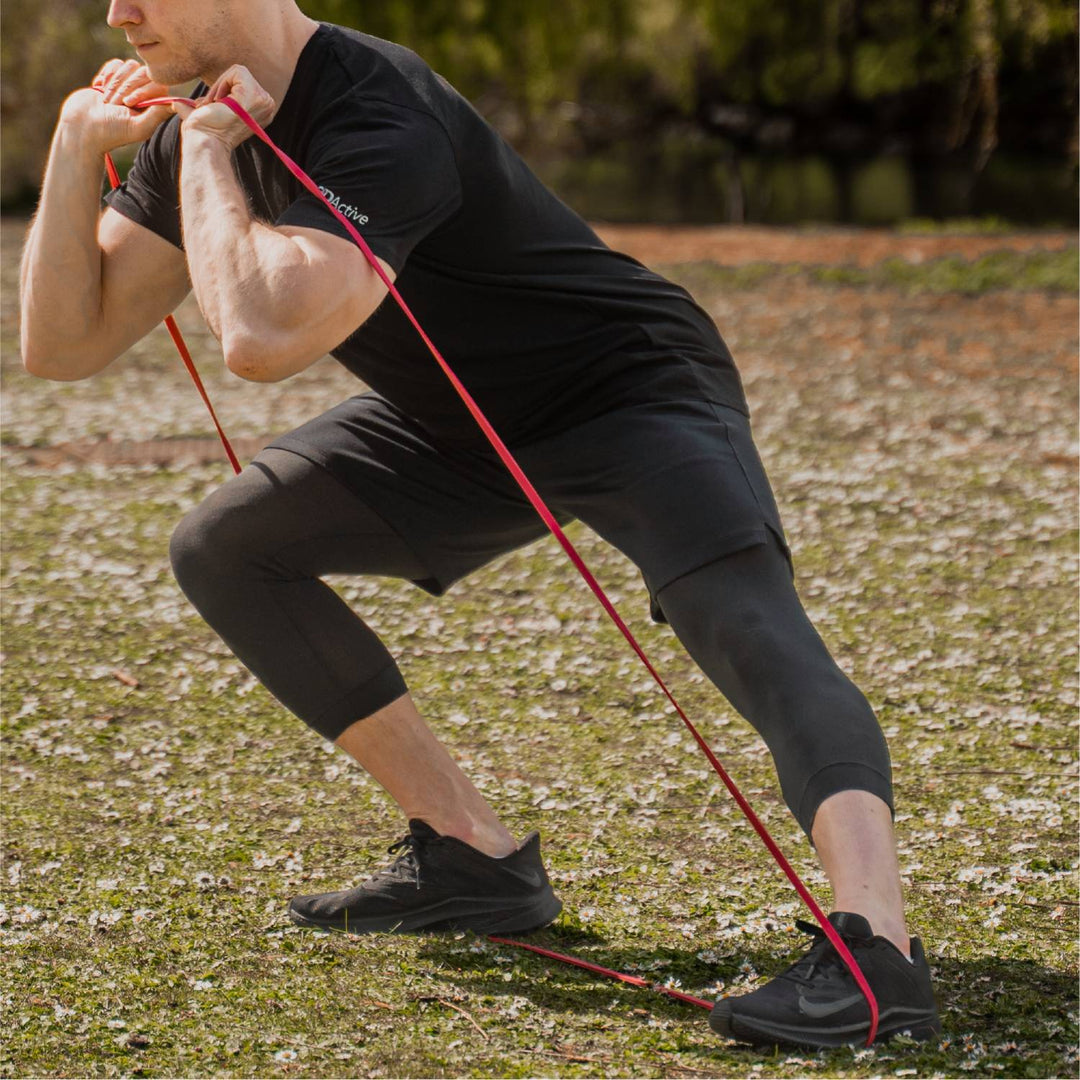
[{"x": 277, "y": 298}]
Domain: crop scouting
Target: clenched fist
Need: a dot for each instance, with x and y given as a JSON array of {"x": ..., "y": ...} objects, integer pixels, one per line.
[
  {"x": 103, "y": 115},
  {"x": 212, "y": 118}
]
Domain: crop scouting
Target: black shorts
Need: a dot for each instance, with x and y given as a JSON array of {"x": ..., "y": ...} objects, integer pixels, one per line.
[{"x": 673, "y": 485}]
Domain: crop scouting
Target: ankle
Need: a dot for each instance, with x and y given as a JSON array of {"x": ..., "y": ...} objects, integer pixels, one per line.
[
  {"x": 899, "y": 938},
  {"x": 891, "y": 930},
  {"x": 486, "y": 835},
  {"x": 493, "y": 840},
  {"x": 883, "y": 923}
]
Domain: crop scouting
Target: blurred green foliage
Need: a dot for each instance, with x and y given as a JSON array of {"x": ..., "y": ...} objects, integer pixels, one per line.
[
  {"x": 580, "y": 72},
  {"x": 48, "y": 48}
]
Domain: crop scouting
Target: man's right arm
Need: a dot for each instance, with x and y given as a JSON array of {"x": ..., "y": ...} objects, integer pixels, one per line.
[{"x": 92, "y": 284}]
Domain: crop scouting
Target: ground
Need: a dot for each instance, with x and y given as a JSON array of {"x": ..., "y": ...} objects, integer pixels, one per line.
[{"x": 914, "y": 400}]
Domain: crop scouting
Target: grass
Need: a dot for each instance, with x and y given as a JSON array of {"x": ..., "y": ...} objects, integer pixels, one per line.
[
  {"x": 152, "y": 834},
  {"x": 991, "y": 225},
  {"x": 155, "y": 832}
]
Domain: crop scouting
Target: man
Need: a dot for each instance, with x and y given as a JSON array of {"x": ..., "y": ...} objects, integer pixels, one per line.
[{"x": 613, "y": 388}]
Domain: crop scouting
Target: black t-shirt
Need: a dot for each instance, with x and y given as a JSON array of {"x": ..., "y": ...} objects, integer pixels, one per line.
[{"x": 543, "y": 322}]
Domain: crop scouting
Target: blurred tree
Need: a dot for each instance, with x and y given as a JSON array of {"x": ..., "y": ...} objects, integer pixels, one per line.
[
  {"x": 832, "y": 76},
  {"x": 815, "y": 56},
  {"x": 48, "y": 49},
  {"x": 521, "y": 56}
]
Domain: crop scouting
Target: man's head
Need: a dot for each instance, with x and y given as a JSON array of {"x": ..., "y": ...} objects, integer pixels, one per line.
[{"x": 179, "y": 40}]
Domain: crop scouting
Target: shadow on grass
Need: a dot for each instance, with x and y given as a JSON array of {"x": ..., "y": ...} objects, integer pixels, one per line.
[
  {"x": 987, "y": 1000},
  {"x": 1006, "y": 999},
  {"x": 572, "y": 989}
]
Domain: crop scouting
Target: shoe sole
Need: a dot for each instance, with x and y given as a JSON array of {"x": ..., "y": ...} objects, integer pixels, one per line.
[
  {"x": 481, "y": 915},
  {"x": 754, "y": 1030}
]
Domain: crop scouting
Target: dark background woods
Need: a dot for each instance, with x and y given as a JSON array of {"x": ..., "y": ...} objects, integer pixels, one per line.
[{"x": 697, "y": 110}]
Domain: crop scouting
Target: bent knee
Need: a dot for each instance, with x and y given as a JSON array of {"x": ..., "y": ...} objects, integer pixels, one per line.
[
  {"x": 188, "y": 548},
  {"x": 212, "y": 538}
]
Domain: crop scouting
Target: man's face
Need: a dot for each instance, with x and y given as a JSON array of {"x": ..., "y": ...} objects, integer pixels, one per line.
[{"x": 179, "y": 40}]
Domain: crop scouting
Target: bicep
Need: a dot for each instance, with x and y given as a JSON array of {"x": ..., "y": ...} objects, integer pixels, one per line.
[
  {"x": 143, "y": 279},
  {"x": 340, "y": 288}
]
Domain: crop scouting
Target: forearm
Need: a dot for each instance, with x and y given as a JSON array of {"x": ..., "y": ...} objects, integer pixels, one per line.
[
  {"x": 248, "y": 278},
  {"x": 60, "y": 282}
]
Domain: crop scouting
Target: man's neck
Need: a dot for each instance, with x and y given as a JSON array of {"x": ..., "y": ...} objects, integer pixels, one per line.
[{"x": 272, "y": 50}]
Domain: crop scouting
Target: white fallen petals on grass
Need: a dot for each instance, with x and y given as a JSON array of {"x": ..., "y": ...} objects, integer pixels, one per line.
[
  {"x": 24, "y": 915},
  {"x": 516, "y": 1006},
  {"x": 1045, "y": 810},
  {"x": 932, "y": 547},
  {"x": 103, "y": 920},
  {"x": 975, "y": 873}
]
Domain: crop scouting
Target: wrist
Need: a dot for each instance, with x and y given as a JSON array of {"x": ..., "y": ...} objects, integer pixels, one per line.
[
  {"x": 197, "y": 139},
  {"x": 75, "y": 138}
]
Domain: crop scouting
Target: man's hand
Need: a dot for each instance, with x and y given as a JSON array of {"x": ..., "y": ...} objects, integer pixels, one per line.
[
  {"x": 102, "y": 116},
  {"x": 91, "y": 284},
  {"x": 219, "y": 121}
]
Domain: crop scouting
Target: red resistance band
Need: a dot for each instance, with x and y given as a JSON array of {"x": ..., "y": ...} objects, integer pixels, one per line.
[
  {"x": 548, "y": 518},
  {"x": 182, "y": 349}
]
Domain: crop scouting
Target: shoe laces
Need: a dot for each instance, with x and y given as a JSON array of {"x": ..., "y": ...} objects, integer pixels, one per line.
[
  {"x": 406, "y": 863},
  {"x": 821, "y": 958}
]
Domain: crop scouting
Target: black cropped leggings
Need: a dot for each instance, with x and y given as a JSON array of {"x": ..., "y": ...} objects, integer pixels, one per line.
[{"x": 250, "y": 558}]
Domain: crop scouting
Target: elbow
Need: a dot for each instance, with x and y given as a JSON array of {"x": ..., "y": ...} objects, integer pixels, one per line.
[
  {"x": 33, "y": 363},
  {"x": 248, "y": 357},
  {"x": 265, "y": 357},
  {"x": 45, "y": 364}
]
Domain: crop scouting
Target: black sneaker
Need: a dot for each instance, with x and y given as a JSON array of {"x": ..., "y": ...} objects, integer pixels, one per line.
[
  {"x": 440, "y": 883},
  {"x": 817, "y": 1002}
]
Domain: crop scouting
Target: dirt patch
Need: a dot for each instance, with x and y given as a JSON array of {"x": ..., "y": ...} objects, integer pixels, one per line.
[
  {"x": 734, "y": 245},
  {"x": 159, "y": 452},
  {"x": 786, "y": 336},
  {"x": 788, "y": 333}
]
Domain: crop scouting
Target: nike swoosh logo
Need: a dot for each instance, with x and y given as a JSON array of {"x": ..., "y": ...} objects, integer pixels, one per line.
[
  {"x": 530, "y": 877},
  {"x": 816, "y": 1010}
]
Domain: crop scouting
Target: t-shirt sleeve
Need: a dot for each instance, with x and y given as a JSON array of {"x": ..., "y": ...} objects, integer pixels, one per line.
[
  {"x": 390, "y": 170},
  {"x": 150, "y": 195}
]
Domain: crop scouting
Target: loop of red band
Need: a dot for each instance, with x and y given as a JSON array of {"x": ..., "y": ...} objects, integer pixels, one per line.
[
  {"x": 170, "y": 322},
  {"x": 548, "y": 517}
]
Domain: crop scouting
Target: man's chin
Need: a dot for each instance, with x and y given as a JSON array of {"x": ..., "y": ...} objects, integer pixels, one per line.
[{"x": 167, "y": 74}]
